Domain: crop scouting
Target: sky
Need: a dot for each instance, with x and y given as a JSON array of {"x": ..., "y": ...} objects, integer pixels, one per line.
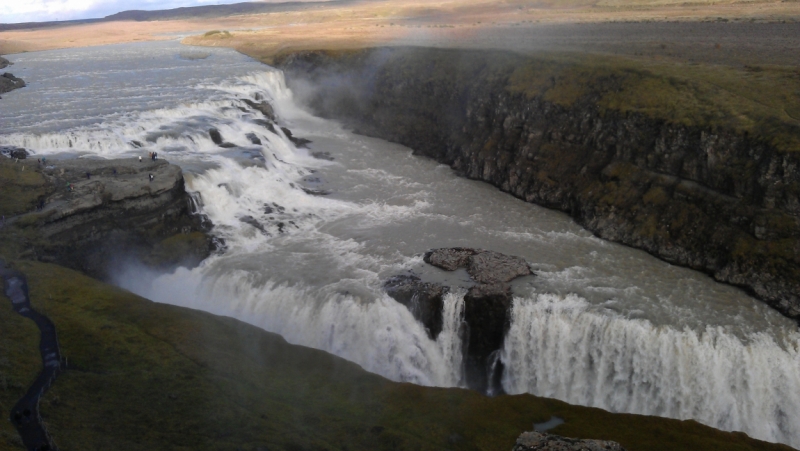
[{"x": 15, "y": 11}]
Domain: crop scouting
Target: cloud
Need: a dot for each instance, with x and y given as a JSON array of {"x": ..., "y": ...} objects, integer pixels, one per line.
[{"x": 15, "y": 11}]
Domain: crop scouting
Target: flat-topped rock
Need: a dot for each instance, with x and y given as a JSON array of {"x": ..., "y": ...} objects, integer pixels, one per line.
[{"x": 483, "y": 266}]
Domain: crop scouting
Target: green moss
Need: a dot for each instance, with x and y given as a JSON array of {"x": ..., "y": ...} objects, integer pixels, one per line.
[
  {"x": 763, "y": 103},
  {"x": 656, "y": 196},
  {"x": 22, "y": 186},
  {"x": 153, "y": 376}
]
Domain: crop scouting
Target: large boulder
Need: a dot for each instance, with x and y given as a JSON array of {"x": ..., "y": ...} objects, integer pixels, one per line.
[
  {"x": 9, "y": 82},
  {"x": 539, "y": 441},
  {"x": 424, "y": 300}
]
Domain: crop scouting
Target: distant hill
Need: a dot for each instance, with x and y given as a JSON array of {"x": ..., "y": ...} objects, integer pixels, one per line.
[
  {"x": 216, "y": 10},
  {"x": 192, "y": 12}
]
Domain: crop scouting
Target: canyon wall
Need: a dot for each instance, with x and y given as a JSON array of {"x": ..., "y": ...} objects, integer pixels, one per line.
[{"x": 717, "y": 200}]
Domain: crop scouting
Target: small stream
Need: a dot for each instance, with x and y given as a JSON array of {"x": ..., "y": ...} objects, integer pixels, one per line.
[{"x": 25, "y": 413}]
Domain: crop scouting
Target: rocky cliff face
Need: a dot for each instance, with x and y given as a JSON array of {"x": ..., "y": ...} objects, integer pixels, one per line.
[
  {"x": 712, "y": 199},
  {"x": 97, "y": 214}
]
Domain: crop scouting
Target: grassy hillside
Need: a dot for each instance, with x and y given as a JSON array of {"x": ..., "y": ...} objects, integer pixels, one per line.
[{"x": 151, "y": 376}]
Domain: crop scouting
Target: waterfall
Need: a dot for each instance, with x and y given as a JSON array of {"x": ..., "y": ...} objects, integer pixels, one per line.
[{"x": 559, "y": 347}]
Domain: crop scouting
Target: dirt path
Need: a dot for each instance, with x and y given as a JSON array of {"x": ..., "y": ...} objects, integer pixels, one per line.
[{"x": 25, "y": 414}]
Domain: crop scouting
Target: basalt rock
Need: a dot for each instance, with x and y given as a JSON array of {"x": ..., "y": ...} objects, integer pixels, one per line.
[
  {"x": 424, "y": 300},
  {"x": 487, "y": 307},
  {"x": 299, "y": 142},
  {"x": 539, "y": 441},
  {"x": 97, "y": 223},
  {"x": 264, "y": 107},
  {"x": 713, "y": 199},
  {"x": 483, "y": 266},
  {"x": 487, "y": 315},
  {"x": 9, "y": 82}
]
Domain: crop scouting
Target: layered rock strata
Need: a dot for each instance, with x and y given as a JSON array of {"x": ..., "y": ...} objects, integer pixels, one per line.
[
  {"x": 100, "y": 214},
  {"x": 711, "y": 199}
]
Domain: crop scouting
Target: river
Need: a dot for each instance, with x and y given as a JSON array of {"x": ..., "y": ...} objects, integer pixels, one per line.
[{"x": 599, "y": 324}]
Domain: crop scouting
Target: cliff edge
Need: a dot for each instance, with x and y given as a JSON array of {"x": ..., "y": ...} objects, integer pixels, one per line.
[{"x": 94, "y": 215}]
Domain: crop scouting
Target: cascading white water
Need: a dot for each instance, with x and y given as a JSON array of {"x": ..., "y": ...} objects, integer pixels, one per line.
[
  {"x": 559, "y": 347},
  {"x": 600, "y": 325}
]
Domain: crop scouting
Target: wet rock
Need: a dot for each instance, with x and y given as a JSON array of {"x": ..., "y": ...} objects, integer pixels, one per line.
[
  {"x": 9, "y": 82},
  {"x": 539, "y": 441},
  {"x": 316, "y": 192},
  {"x": 254, "y": 222},
  {"x": 266, "y": 124},
  {"x": 424, "y": 300},
  {"x": 264, "y": 107},
  {"x": 487, "y": 315},
  {"x": 4, "y": 62},
  {"x": 136, "y": 144},
  {"x": 14, "y": 152},
  {"x": 227, "y": 145},
  {"x": 322, "y": 156},
  {"x": 253, "y": 138},
  {"x": 299, "y": 142},
  {"x": 215, "y": 136}
]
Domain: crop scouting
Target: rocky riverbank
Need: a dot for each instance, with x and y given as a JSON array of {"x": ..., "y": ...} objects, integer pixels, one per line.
[
  {"x": 8, "y": 82},
  {"x": 94, "y": 215},
  {"x": 687, "y": 188}
]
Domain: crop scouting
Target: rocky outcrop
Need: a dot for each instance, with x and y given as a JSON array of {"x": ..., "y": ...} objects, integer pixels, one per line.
[
  {"x": 424, "y": 300},
  {"x": 13, "y": 152},
  {"x": 539, "y": 441},
  {"x": 100, "y": 214},
  {"x": 4, "y": 63},
  {"x": 487, "y": 307},
  {"x": 711, "y": 199},
  {"x": 8, "y": 82}
]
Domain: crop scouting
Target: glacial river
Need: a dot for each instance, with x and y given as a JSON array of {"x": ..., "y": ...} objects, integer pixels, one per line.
[{"x": 599, "y": 324}]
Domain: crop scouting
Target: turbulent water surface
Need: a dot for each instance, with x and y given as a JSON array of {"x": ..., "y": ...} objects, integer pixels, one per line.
[{"x": 600, "y": 324}]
